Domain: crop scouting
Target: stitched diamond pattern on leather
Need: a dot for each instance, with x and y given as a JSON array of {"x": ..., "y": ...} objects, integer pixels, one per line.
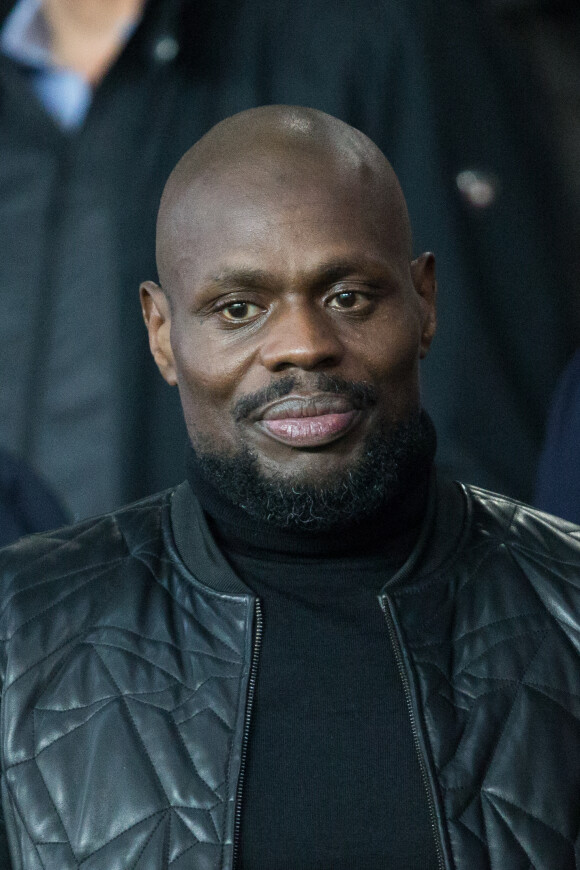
[
  {"x": 494, "y": 643},
  {"x": 121, "y": 720},
  {"x": 122, "y": 684}
]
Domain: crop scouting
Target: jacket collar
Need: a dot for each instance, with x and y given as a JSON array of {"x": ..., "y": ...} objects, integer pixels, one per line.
[
  {"x": 190, "y": 540},
  {"x": 196, "y": 547}
]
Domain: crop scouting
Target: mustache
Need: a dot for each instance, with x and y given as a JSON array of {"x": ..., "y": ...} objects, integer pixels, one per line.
[{"x": 360, "y": 394}]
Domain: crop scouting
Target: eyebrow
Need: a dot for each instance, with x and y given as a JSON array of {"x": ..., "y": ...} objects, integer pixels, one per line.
[
  {"x": 327, "y": 273},
  {"x": 241, "y": 277}
]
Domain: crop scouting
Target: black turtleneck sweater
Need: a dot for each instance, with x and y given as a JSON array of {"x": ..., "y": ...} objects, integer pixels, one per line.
[{"x": 332, "y": 780}]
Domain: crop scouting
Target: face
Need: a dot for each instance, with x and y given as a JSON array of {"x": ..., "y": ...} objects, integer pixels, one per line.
[{"x": 296, "y": 322}]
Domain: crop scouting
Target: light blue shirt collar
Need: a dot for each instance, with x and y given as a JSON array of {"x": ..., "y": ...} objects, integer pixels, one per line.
[{"x": 25, "y": 37}]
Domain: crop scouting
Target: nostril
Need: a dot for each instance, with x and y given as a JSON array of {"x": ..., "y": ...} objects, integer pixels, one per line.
[
  {"x": 305, "y": 363},
  {"x": 306, "y": 358}
]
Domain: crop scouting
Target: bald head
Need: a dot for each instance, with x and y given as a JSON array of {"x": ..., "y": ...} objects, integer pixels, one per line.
[
  {"x": 284, "y": 254},
  {"x": 272, "y": 148}
]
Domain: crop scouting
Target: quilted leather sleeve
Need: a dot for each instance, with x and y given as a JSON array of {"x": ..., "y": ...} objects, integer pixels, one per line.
[
  {"x": 493, "y": 649},
  {"x": 123, "y": 702}
]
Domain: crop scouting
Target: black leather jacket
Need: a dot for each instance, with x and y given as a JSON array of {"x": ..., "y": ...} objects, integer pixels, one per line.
[{"x": 129, "y": 653}]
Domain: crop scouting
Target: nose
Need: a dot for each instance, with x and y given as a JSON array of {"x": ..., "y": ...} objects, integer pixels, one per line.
[{"x": 302, "y": 336}]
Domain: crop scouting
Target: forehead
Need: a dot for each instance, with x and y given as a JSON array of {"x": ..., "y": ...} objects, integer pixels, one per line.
[{"x": 283, "y": 220}]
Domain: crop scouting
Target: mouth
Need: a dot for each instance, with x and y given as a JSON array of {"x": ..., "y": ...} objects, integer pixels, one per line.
[{"x": 308, "y": 421}]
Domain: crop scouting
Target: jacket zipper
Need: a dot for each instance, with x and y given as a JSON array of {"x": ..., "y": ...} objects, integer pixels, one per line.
[
  {"x": 385, "y": 607},
  {"x": 246, "y": 732}
]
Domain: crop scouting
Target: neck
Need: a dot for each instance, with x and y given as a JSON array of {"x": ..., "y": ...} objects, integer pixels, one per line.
[{"x": 88, "y": 35}]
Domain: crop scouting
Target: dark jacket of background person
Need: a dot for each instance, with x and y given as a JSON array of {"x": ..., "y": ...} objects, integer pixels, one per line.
[
  {"x": 427, "y": 81},
  {"x": 558, "y": 486},
  {"x": 126, "y": 665},
  {"x": 26, "y": 503}
]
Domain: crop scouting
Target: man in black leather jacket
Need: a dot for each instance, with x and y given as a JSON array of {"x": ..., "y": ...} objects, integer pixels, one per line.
[{"x": 315, "y": 652}]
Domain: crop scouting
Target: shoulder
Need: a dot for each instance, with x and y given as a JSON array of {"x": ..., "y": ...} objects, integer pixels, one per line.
[
  {"x": 565, "y": 407},
  {"x": 508, "y": 539},
  {"x": 44, "y": 568},
  {"x": 518, "y": 523},
  {"x": 509, "y": 579},
  {"x": 26, "y": 502},
  {"x": 558, "y": 479},
  {"x": 569, "y": 384}
]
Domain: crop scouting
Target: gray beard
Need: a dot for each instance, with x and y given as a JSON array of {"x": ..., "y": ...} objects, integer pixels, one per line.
[{"x": 394, "y": 459}]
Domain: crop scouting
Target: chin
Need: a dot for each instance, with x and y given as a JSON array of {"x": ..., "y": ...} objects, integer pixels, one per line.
[
  {"x": 314, "y": 466},
  {"x": 319, "y": 488}
]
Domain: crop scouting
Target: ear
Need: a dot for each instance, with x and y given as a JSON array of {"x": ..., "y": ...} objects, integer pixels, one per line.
[
  {"x": 157, "y": 317},
  {"x": 423, "y": 275}
]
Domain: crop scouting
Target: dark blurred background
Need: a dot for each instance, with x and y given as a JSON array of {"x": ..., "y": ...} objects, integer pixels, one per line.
[{"x": 476, "y": 104}]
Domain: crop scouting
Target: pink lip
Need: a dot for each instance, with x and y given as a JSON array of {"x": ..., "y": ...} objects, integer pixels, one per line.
[
  {"x": 307, "y": 420},
  {"x": 310, "y": 431},
  {"x": 296, "y": 407}
]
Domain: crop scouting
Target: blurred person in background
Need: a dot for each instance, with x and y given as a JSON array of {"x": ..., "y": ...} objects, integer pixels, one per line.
[
  {"x": 26, "y": 503},
  {"x": 549, "y": 32},
  {"x": 98, "y": 98},
  {"x": 558, "y": 484}
]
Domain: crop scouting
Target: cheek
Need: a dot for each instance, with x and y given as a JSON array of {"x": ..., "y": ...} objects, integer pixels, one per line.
[
  {"x": 392, "y": 350},
  {"x": 392, "y": 356},
  {"x": 207, "y": 378},
  {"x": 201, "y": 368}
]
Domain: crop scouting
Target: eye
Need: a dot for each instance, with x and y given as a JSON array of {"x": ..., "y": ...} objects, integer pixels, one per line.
[
  {"x": 239, "y": 312},
  {"x": 349, "y": 300}
]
